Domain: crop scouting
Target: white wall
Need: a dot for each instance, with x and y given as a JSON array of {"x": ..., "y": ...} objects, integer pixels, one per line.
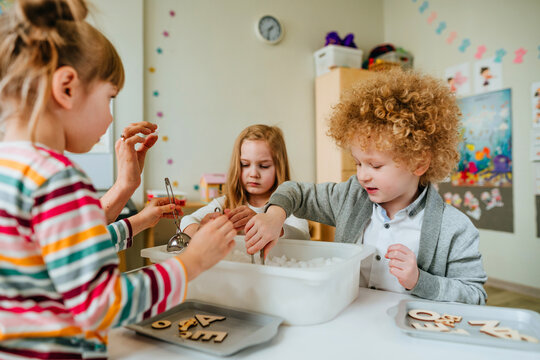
[
  {"x": 215, "y": 78},
  {"x": 495, "y": 24},
  {"x": 122, "y": 22}
]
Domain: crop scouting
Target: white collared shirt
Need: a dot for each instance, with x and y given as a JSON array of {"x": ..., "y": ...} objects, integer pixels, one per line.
[{"x": 381, "y": 232}]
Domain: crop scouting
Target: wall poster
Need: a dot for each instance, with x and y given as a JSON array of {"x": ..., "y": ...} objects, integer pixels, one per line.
[{"x": 481, "y": 186}]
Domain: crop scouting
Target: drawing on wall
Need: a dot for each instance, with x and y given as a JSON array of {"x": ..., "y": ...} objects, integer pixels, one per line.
[
  {"x": 535, "y": 102},
  {"x": 459, "y": 79},
  {"x": 487, "y": 75},
  {"x": 481, "y": 186}
]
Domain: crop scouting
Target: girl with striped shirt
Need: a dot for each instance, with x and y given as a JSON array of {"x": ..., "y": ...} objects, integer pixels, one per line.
[{"x": 60, "y": 287}]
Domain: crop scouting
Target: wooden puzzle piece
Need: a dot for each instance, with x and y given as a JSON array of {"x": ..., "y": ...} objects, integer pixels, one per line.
[
  {"x": 206, "y": 320},
  {"x": 454, "y": 318},
  {"x": 161, "y": 324},
  {"x": 424, "y": 315},
  {"x": 446, "y": 322},
  {"x": 185, "y": 334},
  {"x": 430, "y": 327},
  {"x": 184, "y": 325},
  {"x": 501, "y": 332},
  {"x": 486, "y": 324},
  {"x": 219, "y": 336},
  {"x": 529, "y": 338}
]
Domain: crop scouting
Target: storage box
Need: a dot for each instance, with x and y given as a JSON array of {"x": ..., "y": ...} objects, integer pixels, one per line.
[
  {"x": 332, "y": 56},
  {"x": 302, "y": 296}
]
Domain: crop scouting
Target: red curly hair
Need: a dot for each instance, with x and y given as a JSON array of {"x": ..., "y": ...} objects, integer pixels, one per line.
[{"x": 414, "y": 116}]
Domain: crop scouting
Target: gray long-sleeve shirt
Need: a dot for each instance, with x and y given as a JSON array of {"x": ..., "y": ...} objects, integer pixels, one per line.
[{"x": 449, "y": 261}]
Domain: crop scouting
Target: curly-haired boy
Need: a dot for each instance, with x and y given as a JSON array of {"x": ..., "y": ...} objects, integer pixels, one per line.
[{"x": 402, "y": 129}]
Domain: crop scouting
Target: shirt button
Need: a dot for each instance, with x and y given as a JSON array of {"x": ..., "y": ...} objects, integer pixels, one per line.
[
  {"x": 378, "y": 257},
  {"x": 386, "y": 226}
]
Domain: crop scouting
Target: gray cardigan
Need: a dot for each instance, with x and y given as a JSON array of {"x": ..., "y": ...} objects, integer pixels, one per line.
[{"x": 448, "y": 258}]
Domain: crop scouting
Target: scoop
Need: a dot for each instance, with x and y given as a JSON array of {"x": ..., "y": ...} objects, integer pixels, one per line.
[{"x": 180, "y": 240}]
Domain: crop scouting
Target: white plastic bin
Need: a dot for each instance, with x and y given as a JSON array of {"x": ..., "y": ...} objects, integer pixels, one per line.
[
  {"x": 302, "y": 296},
  {"x": 336, "y": 56}
]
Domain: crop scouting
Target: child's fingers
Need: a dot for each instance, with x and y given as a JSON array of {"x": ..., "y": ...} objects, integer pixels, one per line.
[
  {"x": 396, "y": 255},
  {"x": 239, "y": 216},
  {"x": 397, "y": 264},
  {"x": 148, "y": 143},
  {"x": 400, "y": 248},
  {"x": 144, "y": 127}
]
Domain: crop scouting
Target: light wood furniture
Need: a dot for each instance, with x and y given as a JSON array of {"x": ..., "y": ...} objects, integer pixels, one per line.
[{"x": 333, "y": 163}]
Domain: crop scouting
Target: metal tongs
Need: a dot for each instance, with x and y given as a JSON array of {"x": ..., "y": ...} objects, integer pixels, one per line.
[{"x": 180, "y": 240}]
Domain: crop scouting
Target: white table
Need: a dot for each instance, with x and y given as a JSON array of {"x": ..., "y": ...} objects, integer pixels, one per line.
[{"x": 362, "y": 331}]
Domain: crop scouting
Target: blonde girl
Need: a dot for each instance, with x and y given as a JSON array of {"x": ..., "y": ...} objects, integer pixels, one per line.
[
  {"x": 60, "y": 287},
  {"x": 258, "y": 165}
]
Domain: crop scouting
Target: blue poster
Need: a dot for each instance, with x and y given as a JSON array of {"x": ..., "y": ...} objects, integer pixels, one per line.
[{"x": 481, "y": 185}]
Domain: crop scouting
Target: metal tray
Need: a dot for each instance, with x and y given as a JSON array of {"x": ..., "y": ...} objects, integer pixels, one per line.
[
  {"x": 244, "y": 328},
  {"x": 525, "y": 321}
]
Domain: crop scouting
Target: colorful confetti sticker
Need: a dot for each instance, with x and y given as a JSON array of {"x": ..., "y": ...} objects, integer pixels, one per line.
[
  {"x": 480, "y": 52},
  {"x": 155, "y": 93},
  {"x": 440, "y": 29},
  {"x": 499, "y": 55},
  {"x": 172, "y": 13},
  {"x": 159, "y": 114},
  {"x": 152, "y": 69},
  {"x": 423, "y": 7},
  {"x": 432, "y": 17},
  {"x": 165, "y": 138},
  {"x": 169, "y": 161},
  {"x": 159, "y": 50},
  {"x": 464, "y": 45},
  {"x": 519, "y": 55},
  {"x": 452, "y": 37},
  {"x": 166, "y": 33}
]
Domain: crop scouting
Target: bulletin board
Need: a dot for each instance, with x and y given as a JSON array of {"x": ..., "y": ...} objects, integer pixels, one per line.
[{"x": 481, "y": 186}]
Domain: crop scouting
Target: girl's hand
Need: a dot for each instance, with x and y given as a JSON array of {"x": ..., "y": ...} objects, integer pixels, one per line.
[
  {"x": 240, "y": 216},
  {"x": 209, "y": 217},
  {"x": 208, "y": 246},
  {"x": 403, "y": 265},
  {"x": 130, "y": 162},
  {"x": 156, "y": 209},
  {"x": 263, "y": 230}
]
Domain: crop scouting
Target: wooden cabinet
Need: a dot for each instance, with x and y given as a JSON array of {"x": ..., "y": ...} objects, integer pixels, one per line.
[{"x": 333, "y": 163}]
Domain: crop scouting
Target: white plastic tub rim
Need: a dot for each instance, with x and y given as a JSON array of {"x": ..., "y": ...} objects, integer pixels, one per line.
[{"x": 304, "y": 252}]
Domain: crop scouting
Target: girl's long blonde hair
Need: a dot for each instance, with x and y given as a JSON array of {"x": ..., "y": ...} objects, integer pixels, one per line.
[
  {"x": 36, "y": 38},
  {"x": 234, "y": 191}
]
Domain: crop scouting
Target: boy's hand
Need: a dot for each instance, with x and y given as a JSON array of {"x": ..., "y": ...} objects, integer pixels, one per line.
[
  {"x": 403, "y": 265},
  {"x": 156, "y": 209},
  {"x": 240, "y": 216},
  {"x": 263, "y": 230},
  {"x": 208, "y": 246}
]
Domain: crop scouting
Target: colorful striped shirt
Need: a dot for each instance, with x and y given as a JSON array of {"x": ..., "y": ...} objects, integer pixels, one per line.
[{"x": 60, "y": 287}]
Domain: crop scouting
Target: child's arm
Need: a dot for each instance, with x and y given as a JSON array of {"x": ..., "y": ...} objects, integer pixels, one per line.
[
  {"x": 123, "y": 231},
  {"x": 81, "y": 262},
  {"x": 263, "y": 230},
  {"x": 316, "y": 202},
  {"x": 191, "y": 223},
  {"x": 130, "y": 163}
]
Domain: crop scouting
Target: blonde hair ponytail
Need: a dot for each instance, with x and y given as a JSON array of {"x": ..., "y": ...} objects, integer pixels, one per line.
[{"x": 36, "y": 38}]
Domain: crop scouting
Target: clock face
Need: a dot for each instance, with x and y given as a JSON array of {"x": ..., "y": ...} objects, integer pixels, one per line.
[{"x": 270, "y": 29}]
